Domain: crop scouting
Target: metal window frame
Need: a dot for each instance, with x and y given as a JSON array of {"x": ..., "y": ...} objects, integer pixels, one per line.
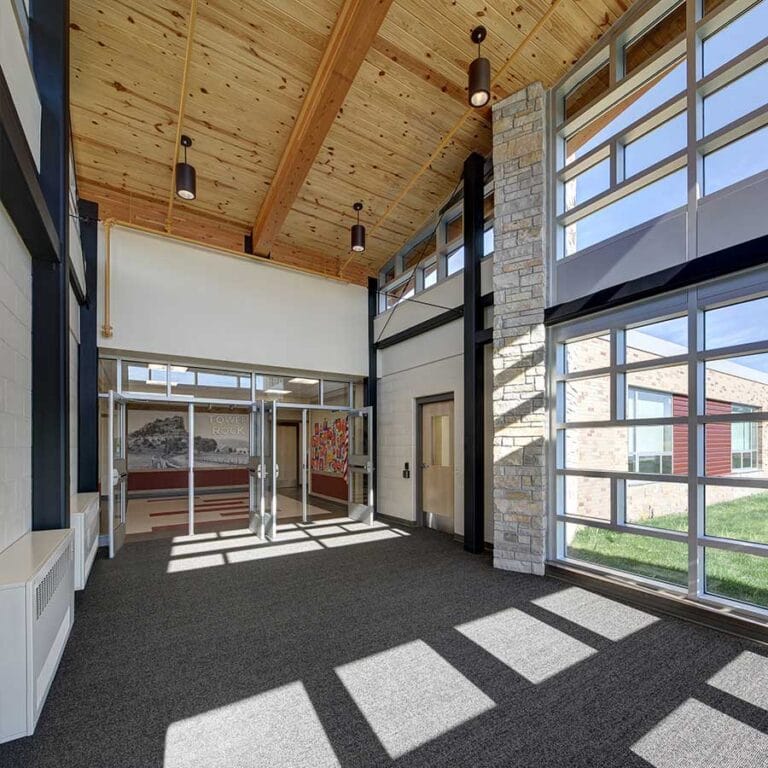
[
  {"x": 167, "y": 396},
  {"x": 697, "y": 301},
  {"x": 443, "y": 250},
  {"x": 610, "y": 50}
]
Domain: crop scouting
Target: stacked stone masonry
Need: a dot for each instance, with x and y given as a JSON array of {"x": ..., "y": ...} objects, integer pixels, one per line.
[{"x": 519, "y": 377}]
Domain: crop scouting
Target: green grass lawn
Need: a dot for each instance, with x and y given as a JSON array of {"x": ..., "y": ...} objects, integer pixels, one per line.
[{"x": 730, "y": 574}]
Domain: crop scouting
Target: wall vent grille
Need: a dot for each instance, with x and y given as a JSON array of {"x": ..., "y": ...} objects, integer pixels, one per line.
[{"x": 47, "y": 587}]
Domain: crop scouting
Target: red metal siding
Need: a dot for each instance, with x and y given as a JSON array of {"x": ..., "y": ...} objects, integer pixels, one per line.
[
  {"x": 717, "y": 448},
  {"x": 680, "y": 436}
]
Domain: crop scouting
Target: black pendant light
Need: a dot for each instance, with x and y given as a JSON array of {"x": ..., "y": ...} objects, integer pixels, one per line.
[
  {"x": 479, "y": 89},
  {"x": 358, "y": 231},
  {"x": 186, "y": 178}
]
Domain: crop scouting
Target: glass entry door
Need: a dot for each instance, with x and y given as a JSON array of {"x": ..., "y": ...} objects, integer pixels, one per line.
[
  {"x": 360, "y": 430},
  {"x": 262, "y": 472},
  {"x": 117, "y": 472}
]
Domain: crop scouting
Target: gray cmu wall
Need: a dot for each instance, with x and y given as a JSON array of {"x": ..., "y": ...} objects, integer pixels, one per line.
[{"x": 15, "y": 384}]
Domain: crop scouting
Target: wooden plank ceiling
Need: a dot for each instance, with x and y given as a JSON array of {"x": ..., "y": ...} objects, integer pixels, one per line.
[{"x": 234, "y": 74}]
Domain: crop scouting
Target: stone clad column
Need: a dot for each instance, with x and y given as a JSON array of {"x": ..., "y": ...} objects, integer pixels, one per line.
[{"x": 519, "y": 286}]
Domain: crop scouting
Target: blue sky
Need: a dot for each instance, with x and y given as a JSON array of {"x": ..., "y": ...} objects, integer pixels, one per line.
[
  {"x": 730, "y": 164},
  {"x": 727, "y": 326}
]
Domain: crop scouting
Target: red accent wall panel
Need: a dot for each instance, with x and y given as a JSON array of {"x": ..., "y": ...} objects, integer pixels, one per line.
[
  {"x": 328, "y": 485},
  {"x": 680, "y": 436},
  {"x": 717, "y": 446},
  {"x": 171, "y": 479}
]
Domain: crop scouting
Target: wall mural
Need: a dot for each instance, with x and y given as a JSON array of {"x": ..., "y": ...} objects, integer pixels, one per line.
[
  {"x": 330, "y": 447},
  {"x": 160, "y": 440}
]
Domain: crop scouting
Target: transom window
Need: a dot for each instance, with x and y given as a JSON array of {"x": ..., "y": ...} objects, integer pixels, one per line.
[{"x": 436, "y": 254}]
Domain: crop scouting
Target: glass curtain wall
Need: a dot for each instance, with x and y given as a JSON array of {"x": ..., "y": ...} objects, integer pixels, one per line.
[
  {"x": 660, "y": 426},
  {"x": 675, "y": 99}
]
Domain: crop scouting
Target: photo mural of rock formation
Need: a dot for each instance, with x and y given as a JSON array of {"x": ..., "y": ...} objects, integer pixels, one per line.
[{"x": 160, "y": 440}]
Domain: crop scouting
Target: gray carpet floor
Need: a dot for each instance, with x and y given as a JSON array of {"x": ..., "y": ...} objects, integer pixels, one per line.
[{"x": 384, "y": 651}]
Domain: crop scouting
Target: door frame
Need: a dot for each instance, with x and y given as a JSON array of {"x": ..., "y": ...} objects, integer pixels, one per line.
[
  {"x": 443, "y": 397},
  {"x": 297, "y": 426}
]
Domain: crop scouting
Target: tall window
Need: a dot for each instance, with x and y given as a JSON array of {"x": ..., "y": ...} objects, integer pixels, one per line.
[{"x": 640, "y": 478}]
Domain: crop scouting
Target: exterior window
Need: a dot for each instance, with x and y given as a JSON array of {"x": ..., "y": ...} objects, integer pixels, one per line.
[
  {"x": 654, "y": 521},
  {"x": 734, "y": 38},
  {"x": 646, "y": 45},
  {"x": 736, "y": 161},
  {"x": 454, "y": 229},
  {"x": 419, "y": 252},
  {"x": 636, "y": 208},
  {"x": 488, "y": 241},
  {"x": 744, "y": 438},
  {"x": 738, "y": 98},
  {"x": 668, "y": 138},
  {"x": 588, "y": 184},
  {"x": 430, "y": 274},
  {"x": 400, "y": 292},
  {"x": 587, "y": 92},
  {"x": 650, "y": 448},
  {"x": 663, "y": 87},
  {"x": 456, "y": 261}
]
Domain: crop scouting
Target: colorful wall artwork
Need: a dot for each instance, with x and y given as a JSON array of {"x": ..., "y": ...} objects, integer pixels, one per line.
[{"x": 330, "y": 447}]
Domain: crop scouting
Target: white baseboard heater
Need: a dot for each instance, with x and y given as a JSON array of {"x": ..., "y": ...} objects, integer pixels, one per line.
[
  {"x": 85, "y": 521},
  {"x": 37, "y": 609}
]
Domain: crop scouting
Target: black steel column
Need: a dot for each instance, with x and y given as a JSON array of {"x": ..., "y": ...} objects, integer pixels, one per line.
[
  {"x": 50, "y": 282},
  {"x": 88, "y": 364},
  {"x": 474, "y": 491},
  {"x": 371, "y": 387}
]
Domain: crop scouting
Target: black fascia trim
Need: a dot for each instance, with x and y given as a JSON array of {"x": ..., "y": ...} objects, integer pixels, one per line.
[
  {"x": 372, "y": 382},
  {"x": 426, "y": 325},
  {"x": 474, "y": 368},
  {"x": 735, "y": 258},
  {"x": 88, "y": 358},
  {"x": 20, "y": 190},
  {"x": 486, "y": 300}
]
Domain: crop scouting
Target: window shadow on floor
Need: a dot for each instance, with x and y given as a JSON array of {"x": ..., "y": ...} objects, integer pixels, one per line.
[{"x": 358, "y": 651}]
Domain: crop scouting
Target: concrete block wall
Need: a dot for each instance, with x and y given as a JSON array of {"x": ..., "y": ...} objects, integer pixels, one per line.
[
  {"x": 15, "y": 384},
  {"x": 519, "y": 285}
]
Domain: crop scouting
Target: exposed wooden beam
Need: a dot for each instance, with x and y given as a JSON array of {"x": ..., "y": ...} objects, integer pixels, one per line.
[
  {"x": 353, "y": 33},
  {"x": 182, "y": 105},
  {"x": 459, "y": 123}
]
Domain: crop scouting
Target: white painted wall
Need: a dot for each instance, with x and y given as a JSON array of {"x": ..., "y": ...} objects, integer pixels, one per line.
[
  {"x": 429, "y": 364},
  {"x": 434, "y": 301},
  {"x": 15, "y": 384},
  {"x": 179, "y": 300},
  {"x": 17, "y": 71}
]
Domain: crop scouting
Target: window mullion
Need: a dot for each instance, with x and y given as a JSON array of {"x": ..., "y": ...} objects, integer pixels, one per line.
[{"x": 695, "y": 448}]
